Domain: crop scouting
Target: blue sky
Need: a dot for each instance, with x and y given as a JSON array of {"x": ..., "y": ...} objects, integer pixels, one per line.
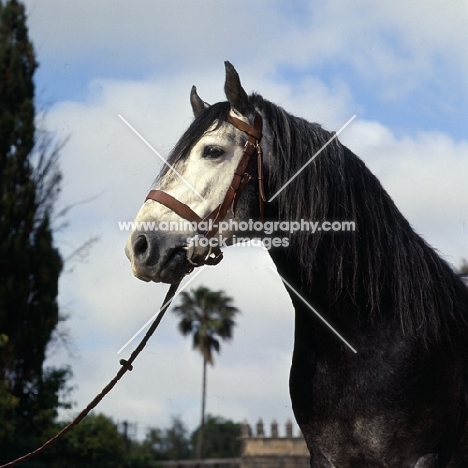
[
  {"x": 401, "y": 67},
  {"x": 428, "y": 94}
]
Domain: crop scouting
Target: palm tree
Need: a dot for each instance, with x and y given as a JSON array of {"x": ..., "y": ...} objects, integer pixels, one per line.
[{"x": 206, "y": 315}]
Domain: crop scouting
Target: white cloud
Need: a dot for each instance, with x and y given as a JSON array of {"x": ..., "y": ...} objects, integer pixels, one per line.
[
  {"x": 397, "y": 44},
  {"x": 426, "y": 176},
  {"x": 164, "y": 35}
]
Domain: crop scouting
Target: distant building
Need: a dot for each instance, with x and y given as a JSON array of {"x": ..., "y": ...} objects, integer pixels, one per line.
[{"x": 258, "y": 451}]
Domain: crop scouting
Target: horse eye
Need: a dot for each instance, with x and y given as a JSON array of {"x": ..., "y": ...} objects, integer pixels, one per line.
[{"x": 213, "y": 152}]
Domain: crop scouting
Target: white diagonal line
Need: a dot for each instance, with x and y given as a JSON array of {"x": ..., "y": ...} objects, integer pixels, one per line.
[
  {"x": 313, "y": 310},
  {"x": 312, "y": 158},
  {"x": 172, "y": 168},
  {"x": 161, "y": 308},
  {"x": 328, "y": 459}
]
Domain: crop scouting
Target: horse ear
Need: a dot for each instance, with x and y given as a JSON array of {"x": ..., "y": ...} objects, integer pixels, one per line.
[
  {"x": 198, "y": 104},
  {"x": 235, "y": 93}
]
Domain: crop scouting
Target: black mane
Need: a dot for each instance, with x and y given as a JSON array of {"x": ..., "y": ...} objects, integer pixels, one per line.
[{"x": 384, "y": 259}]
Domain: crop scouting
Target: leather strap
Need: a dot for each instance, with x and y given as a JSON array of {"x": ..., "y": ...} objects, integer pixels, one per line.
[
  {"x": 185, "y": 212},
  {"x": 181, "y": 209},
  {"x": 255, "y": 132}
]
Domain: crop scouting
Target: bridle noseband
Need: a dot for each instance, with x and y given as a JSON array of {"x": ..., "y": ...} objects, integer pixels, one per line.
[{"x": 239, "y": 181}]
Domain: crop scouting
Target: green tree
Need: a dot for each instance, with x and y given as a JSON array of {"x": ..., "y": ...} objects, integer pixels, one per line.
[
  {"x": 94, "y": 442},
  {"x": 154, "y": 444},
  {"x": 7, "y": 401},
  {"x": 30, "y": 263},
  {"x": 176, "y": 444},
  {"x": 222, "y": 438},
  {"x": 206, "y": 315},
  {"x": 162, "y": 444}
]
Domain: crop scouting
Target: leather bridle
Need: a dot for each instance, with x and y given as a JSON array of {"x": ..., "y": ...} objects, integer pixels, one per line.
[{"x": 239, "y": 181}]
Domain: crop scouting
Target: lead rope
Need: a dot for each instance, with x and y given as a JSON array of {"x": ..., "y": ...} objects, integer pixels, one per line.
[{"x": 126, "y": 365}]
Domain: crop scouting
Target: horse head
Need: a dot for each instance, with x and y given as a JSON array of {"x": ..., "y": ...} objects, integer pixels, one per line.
[{"x": 204, "y": 183}]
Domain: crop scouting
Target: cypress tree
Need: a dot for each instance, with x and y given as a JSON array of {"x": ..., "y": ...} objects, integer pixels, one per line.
[{"x": 30, "y": 264}]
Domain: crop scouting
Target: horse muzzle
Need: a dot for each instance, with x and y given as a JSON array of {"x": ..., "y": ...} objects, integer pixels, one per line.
[{"x": 162, "y": 259}]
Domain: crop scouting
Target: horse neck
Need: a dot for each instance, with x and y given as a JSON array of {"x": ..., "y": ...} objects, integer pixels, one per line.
[
  {"x": 311, "y": 333},
  {"x": 348, "y": 310}
]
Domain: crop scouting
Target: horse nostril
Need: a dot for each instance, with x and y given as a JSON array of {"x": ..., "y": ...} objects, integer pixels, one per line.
[
  {"x": 145, "y": 250},
  {"x": 140, "y": 246}
]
